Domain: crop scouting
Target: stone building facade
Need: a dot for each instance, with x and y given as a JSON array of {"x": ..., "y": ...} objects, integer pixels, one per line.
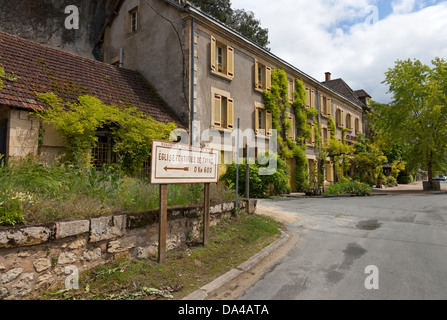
[
  {"x": 212, "y": 76},
  {"x": 203, "y": 75}
]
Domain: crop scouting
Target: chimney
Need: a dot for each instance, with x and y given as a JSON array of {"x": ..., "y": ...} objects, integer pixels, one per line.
[{"x": 328, "y": 76}]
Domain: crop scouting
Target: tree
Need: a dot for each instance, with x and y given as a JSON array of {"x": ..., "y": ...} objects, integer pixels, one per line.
[
  {"x": 219, "y": 9},
  {"x": 240, "y": 20},
  {"x": 246, "y": 24},
  {"x": 417, "y": 115},
  {"x": 367, "y": 160},
  {"x": 339, "y": 153}
]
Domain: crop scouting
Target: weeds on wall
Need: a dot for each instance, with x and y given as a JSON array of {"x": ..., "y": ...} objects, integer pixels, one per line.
[
  {"x": 32, "y": 192},
  {"x": 4, "y": 75}
]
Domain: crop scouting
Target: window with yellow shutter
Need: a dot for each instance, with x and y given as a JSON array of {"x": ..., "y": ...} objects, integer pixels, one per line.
[
  {"x": 263, "y": 121},
  {"x": 268, "y": 78},
  {"x": 322, "y": 106},
  {"x": 291, "y": 130},
  {"x": 339, "y": 118},
  {"x": 290, "y": 90},
  {"x": 311, "y": 140},
  {"x": 268, "y": 123},
  {"x": 230, "y": 62},
  {"x": 357, "y": 125},
  {"x": 329, "y": 171},
  {"x": 230, "y": 114},
  {"x": 217, "y": 110},
  {"x": 308, "y": 98},
  {"x": 324, "y": 135},
  {"x": 263, "y": 77},
  {"x": 223, "y": 112},
  {"x": 325, "y": 106},
  {"x": 221, "y": 59},
  {"x": 349, "y": 121}
]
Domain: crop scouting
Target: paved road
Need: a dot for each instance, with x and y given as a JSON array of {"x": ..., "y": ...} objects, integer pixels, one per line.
[{"x": 405, "y": 237}]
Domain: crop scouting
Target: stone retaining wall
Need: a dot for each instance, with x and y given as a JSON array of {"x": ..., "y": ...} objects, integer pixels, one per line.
[{"x": 38, "y": 256}]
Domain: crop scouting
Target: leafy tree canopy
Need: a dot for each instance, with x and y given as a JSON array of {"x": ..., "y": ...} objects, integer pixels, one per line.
[
  {"x": 240, "y": 20},
  {"x": 416, "y": 117}
]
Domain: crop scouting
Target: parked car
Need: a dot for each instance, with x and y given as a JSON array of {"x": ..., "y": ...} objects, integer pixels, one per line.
[{"x": 440, "y": 178}]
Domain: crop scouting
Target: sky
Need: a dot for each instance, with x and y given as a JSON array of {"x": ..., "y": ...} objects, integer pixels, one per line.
[{"x": 356, "y": 40}]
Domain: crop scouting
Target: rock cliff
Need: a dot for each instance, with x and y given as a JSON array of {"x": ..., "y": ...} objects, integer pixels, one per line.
[{"x": 43, "y": 21}]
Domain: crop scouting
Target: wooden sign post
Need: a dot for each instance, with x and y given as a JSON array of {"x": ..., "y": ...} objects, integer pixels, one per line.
[
  {"x": 163, "y": 221},
  {"x": 206, "y": 215},
  {"x": 174, "y": 163}
]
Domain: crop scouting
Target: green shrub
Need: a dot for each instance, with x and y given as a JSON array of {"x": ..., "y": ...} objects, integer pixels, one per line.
[
  {"x": 346, "y": 186},
  {"x": 259, "y": 184},
  {"x": 405, "y": 179},
  {"x": 390, "y": 181},
  {"x": 11, "y": 207}
]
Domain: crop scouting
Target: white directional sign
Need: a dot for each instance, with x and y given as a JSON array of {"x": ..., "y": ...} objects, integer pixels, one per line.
[{"x": 174, "y": 163}]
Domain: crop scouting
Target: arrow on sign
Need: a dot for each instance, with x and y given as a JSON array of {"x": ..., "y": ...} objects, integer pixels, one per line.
[{"x": 178, "y": 169}]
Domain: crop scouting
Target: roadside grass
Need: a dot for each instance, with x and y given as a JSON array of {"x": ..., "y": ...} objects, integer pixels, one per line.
[
  {"x": 31, "y": 192},
  {"x": 232, "y": 241}
]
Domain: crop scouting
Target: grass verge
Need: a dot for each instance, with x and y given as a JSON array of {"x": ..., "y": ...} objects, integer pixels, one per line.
[
  {"x": 31, "y": 192},
  {"x": 233, "y": 241}
]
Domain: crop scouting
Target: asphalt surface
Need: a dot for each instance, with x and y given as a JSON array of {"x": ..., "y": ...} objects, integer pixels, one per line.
[{"x": 404, "y": 238}]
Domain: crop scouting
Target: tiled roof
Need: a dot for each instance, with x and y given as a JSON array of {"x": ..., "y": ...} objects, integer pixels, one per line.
[
  {"x": 340, "y": 86},
  {"x": 362, "y": 93},
  {"x": 41, "y": 69}
]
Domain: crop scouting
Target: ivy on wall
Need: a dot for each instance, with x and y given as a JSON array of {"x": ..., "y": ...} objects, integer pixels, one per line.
[{"x": 277, "y": 101}]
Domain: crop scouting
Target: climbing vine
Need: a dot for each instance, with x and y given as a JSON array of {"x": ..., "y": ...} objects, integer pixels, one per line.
[
  {"x": 132, "y": 131},
  {"x": 338, "y": 151},
  {"x": 277, "y": 101}
]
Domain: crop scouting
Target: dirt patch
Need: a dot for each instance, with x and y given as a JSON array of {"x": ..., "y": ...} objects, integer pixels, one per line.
[{"x": 278, "y": 214}]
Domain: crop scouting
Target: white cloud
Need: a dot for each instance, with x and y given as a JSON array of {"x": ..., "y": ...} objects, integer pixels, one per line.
[
  {"x": 317, "y": 36},
  {"x": 403, "y": 6}
]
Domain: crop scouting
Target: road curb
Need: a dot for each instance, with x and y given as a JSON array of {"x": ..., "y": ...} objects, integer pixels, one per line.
[{"x": 207, "y": 290}]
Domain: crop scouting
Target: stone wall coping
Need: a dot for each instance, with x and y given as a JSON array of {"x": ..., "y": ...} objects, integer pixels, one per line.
[
  {"x": 100, "y": 228},
  {"x": 39, "y": 255}
]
